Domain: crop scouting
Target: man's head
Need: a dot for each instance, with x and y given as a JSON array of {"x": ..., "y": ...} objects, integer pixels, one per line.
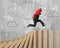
[{"x": 40, "y": 9}]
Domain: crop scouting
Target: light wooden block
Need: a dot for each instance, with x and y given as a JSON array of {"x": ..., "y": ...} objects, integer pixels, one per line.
[
  {"x": 40, "y": 39},
  {"x": 27, "y": 41},
  {"x": 51, "y": 39},
  {"x": 35, "y": 45},
  {"x": 31, "y": 40},
  {"x": 57, "y": 39},
  {"x": 45, "y": 39},
  {"x": 3, "y": 44},
  {"x": 8, "y": 44},
  {"x": 18, "y": 43},
  {"x": 13, "y": 44},
  {"x": 22, "y": 43}
]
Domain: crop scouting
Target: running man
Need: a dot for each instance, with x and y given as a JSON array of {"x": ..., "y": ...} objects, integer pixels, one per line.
[{"x": 36, "y": 18}]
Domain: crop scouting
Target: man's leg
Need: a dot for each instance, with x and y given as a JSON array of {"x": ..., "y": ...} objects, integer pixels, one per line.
[
  {"x": 41, "y": 22},
  {"x": 32, "y": 25}
]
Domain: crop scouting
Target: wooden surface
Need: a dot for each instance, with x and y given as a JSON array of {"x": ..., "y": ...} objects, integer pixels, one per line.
[
  {"x": 35, "y": 45},
  {"x": 51, "y": 39},
  {"x": 34, "y": 39},
  {"x": 31, "y": 41},
  {"x": 45, "y": 39},
  {"x": 57, "y": 39},
  {"x": 40, "y": 39}
]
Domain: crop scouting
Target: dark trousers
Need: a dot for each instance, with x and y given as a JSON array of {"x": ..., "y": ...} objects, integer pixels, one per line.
[{"x": 35, "y": 20}]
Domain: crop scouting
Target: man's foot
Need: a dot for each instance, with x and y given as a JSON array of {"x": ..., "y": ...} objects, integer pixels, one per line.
[
  {"x": 43, "y": 25},
  {"x": 27, "y": 26}
]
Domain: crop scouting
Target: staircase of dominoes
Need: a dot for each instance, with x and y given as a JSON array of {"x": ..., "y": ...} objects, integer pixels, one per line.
[{"x": 34, "y": 39}]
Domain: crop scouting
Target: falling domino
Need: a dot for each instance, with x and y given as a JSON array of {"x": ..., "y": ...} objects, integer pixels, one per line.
[
  {"x": 13, "y": 44},
  {"x": 31, "y": 40},
  {"x": 18, "y": 43},
  {"x": 8, "y": 44},
  {"x": 34, "y": 39},
  {"x": 23, "y": 41},
  {"x": 27, "y": 41},
  {"x": 3, "y": 44}
]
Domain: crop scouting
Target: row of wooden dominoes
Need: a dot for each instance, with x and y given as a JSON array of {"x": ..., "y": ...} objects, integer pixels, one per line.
[{"x": 34, "y": 39}]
